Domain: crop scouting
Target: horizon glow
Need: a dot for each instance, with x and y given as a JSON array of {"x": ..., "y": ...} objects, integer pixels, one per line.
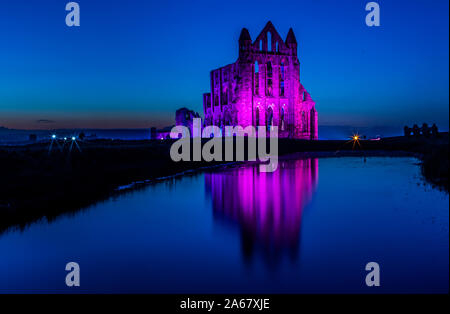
[{"x": 133, "y": 64}]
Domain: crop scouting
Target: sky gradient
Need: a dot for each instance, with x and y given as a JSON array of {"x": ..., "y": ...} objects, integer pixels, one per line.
[{"x": 131, "y": 64}]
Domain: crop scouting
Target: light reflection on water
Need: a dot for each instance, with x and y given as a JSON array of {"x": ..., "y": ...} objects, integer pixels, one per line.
[
  {"x": 240, "y": 231},
  {"x": 267, "y": 207}
]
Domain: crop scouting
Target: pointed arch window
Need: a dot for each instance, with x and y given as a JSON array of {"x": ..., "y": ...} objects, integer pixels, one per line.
[
  {"x": 269, "y": 118},
  {"x": 313, "y": 126},
  {"x": 269, "y": 87},
  {"x": 256, "y": 90},
  {"x": 269, "y": 69},
  {"x": 257, "y": 117},
  {"x": 282, "y": 119},
  {"x": 269, "y": 41},
  {"x": 304, "y": 126},
  {"x": 224, "y": 96}
]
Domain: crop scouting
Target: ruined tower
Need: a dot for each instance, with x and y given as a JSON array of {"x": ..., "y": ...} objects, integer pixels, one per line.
[{"x": 262, "y": 88}]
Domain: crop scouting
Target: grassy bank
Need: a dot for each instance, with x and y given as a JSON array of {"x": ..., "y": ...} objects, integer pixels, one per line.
[{"x": 35, "y": 183}]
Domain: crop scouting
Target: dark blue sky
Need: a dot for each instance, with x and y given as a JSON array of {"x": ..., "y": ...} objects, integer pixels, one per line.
[{"x": 133, "y": 63}]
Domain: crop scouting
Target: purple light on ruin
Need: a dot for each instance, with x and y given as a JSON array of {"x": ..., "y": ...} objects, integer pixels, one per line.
[{"x": 262, "y": 88}]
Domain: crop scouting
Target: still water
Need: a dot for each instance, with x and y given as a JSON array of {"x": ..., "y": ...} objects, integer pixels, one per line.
[{"x": 310, "y": 227}]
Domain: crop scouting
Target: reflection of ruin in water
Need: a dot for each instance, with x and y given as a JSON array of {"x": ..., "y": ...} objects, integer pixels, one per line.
[{"x": 267, "y": 206}]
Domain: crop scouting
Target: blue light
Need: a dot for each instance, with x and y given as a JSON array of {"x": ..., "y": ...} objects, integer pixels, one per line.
[
  {"x": 53, "y": 136},
  {"x": 73, "y": 138}
]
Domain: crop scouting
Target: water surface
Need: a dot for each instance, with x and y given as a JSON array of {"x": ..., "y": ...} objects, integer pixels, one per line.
[{"x": 311, "y": 226}]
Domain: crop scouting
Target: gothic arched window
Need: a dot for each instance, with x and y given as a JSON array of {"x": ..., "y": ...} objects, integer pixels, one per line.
[
  {"x": 269, "y": 41},
  {"x": 282, "y": 74},
  {"x": 257, "y": 117},
  {"x": 269, "y": 69},
  {"x": 269, "y": 118},
  {"x": 313, "y": 126},
  {"x": 224, "y": 96},
  {"x": 256, "y": 78},
  {"x": 304, "y": 122},
  {"x": 269, "y": 90}
]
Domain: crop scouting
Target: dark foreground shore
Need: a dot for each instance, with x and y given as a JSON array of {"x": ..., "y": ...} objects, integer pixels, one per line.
[{"x": 35, "y": 183}]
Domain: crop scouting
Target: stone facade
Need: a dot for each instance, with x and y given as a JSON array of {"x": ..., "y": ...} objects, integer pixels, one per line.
[
  {"x": 185, "y": 117},
  {"x": 262, "y": 88}
]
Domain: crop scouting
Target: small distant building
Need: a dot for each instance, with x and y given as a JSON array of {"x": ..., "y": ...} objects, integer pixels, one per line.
[
  {"x": 32, "y": 137},
  {"x": 425, "y": 130},
  {"x": 185, "y": 117},
  {"x": 160, "y": 134}
]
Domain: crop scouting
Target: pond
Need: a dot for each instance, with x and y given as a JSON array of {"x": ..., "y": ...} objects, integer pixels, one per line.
[{"x": 310, "y": 227}]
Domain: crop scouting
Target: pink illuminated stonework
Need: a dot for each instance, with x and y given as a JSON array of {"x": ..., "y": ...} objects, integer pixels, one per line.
[
  {"x": 262, "y": 88},
  {"x": 267, "y": 207}
]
